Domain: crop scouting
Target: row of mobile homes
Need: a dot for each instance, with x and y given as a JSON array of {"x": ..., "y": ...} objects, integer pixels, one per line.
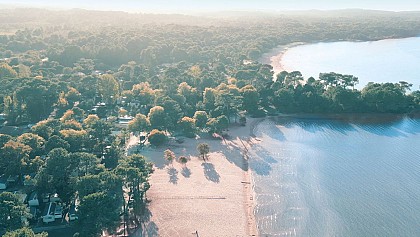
[{"x": 51, "y": 212}]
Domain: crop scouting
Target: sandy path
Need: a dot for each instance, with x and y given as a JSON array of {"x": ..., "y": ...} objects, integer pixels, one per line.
[{"x": 211, "y": 198}]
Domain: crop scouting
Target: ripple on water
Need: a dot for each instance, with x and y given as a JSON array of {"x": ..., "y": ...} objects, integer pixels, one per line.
[{"x": 325, "y": 178}]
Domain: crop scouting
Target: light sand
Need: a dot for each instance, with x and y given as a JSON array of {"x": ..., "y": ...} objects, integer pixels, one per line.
[
  {"x": 214, "y": 198},
  {"x": 274, "y": 57}
]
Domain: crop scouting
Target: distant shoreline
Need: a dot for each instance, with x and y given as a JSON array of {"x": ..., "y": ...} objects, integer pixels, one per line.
[{"x": 275, "y": 55}]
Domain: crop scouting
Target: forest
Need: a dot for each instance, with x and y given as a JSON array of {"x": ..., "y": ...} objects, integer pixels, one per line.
[{"x": 66, "y": 77}]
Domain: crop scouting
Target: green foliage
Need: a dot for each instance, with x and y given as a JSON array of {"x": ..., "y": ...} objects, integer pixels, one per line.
[
  {"x": 242, "y": 119},
  {"x": 75, "y": 138},
  {"x": 183, "y": 75},
  {"x": 139, "y": 124},
  {"x": 47, "y": 128},
  {"x": 169, "y": 155},
  {"x": 13, "y": 157},
  {"x": 201, "y": 118},
  {"x": 135, "y": 171},
  {"x": 386, "y": 97},
  {"x": 203, "y": 149},
  {"x": 187, "y": 126},
  {"x": 108, "y": 88},
  {"x": 35, "y": 142},
  {"x": 157, "y": 138},
  {"x": 183, "y": 160},
  {"x": 4, "y": 139},
  {"x": 157, "y": 118},
  {"x": 56, "y": 174},
  {"x": 97, "y": 212},
  {"x": 24, "y": 232},
  {"x": 11, "y": 211},
  {"x": 7, "y": 71},
  {"x": 250, "y": 99},
  {"x": 56, "y": 142}
]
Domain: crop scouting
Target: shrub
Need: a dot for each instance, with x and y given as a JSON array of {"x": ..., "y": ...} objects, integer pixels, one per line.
[{"x": 157, "y": 138}]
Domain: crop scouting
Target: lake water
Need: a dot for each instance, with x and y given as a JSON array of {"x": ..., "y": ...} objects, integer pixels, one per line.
[
  {"x": 377, "y": 61},
  {"x": 321, "y": 177}
]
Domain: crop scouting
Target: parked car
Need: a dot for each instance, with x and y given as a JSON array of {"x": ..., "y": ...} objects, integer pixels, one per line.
[{"x": 73, "y": 213}]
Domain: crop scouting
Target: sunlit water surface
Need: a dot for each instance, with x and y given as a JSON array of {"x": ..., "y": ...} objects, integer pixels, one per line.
[
  {"x": 320, "y": 177},
  {"x": 379, "y": 61}
]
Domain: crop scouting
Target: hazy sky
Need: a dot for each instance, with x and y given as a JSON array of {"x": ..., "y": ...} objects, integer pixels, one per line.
[{"x": 211, "y": 5}]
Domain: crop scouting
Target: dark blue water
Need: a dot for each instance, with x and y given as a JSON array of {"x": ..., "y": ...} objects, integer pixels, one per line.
[{"x": 316, "y": 177}]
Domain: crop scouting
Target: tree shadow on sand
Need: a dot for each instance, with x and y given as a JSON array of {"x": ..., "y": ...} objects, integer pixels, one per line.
[
  {"x": 173, "y": 175},
  {"x": 210, "y": 173},
  {"x": 147, "y": 227},
  {"x": 186, "y": 172},
  {"x": 152, "y": 229}
]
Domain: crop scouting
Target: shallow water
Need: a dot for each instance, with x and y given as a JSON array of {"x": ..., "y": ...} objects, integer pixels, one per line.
[
  {"x": 379, "y": 61},
  {"x": 318, "y": 177}
]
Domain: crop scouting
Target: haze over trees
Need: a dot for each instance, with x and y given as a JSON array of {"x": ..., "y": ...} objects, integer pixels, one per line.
[{"x": 66, "y": 77}]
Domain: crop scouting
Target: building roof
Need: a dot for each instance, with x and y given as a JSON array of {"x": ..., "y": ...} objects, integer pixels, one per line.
[{"x": 49, "y": 209}]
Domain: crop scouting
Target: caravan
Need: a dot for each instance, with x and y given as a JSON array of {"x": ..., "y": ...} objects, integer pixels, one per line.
[
  {"x": 49, "y": 213},
  {"x": 3, "y": 183},
  {"x": 33, "y": 200}
]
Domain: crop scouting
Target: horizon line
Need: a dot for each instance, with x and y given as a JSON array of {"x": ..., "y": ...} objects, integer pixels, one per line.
[{"x": 192, "y": 11}]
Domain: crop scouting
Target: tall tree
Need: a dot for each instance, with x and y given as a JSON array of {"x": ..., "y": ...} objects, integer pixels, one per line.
[
  {"x": 108, "y": 88},
  {"x": 157, "y": 118},
  {"x": 14, "y": 156},
  {"x": 201, "y": 118},
  {"x": 98, "y": 212},
  {"x": 12, "y": 210},
  {"x": 139, "y": 124}
]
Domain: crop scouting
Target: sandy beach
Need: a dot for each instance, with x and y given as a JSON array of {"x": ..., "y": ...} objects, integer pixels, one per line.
[
  {"x": 205, "y": 198},
  {"x": 274, "y": 57}
]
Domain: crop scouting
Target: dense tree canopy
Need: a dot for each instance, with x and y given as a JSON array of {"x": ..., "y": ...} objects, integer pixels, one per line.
[{"x": 74, "y": 75}]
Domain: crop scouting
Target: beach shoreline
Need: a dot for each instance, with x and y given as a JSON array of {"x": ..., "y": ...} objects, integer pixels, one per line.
[
  {"x": 274, "y": 57},
  {"x": 209, "y": 198}
]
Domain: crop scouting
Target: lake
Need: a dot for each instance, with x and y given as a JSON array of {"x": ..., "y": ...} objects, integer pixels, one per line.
[
  {"x": 391, "y": 60},
  {"x": 325, "y": 177}
]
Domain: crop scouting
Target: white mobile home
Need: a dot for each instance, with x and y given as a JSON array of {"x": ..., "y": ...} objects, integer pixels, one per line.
[
  {"x": 58, "y": 213},
  {"x": 49, "y": 213},
  {"x": 3, "y": 182},
  {"x": 33, "y": 200}
]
